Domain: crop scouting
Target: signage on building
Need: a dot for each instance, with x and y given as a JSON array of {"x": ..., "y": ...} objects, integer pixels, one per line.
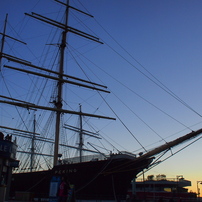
[{"x": 7, "y": 149}]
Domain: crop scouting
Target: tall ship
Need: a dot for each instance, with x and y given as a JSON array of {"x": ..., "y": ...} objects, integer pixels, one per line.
[{"x": 55, "y": 137}]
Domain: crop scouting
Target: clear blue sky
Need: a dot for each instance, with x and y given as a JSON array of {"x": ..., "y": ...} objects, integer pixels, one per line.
[{"x": 164, "y": 38}]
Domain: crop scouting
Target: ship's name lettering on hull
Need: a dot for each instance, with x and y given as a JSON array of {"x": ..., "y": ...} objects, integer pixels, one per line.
[{"x": 64, "y": 171}]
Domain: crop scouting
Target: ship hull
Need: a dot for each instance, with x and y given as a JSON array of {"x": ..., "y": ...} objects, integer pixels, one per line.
[{"x": 94, "y": 180}]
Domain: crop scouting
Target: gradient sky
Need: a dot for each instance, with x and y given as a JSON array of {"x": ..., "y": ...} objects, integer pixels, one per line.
[{"x": 159, "y": 42}]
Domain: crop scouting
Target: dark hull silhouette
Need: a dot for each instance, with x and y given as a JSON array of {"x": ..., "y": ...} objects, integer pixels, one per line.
[{"x": 105, "y": 179}]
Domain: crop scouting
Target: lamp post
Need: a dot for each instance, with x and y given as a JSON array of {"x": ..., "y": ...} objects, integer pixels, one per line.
[
  {"x": 198, "y": 190},
  {"x": 178, "y": 178}
]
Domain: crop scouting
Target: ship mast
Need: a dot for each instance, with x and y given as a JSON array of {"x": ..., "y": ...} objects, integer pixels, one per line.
[
  {"x": 3, "y": 39},
  {"x": 60, "y": 77},
  {"x": 58, "y": 102},
  {"x": 80, "y": 136},
  {"x": 33, "y": 146}
]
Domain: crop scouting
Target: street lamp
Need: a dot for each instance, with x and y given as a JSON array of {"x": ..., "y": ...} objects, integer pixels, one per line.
[
  {"x": 198, "y": 190},
  {"x": 177, "y": 185}
]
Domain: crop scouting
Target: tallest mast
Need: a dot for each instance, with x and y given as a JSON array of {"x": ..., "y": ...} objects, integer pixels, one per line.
[
  {"x": 58, "y": 103},
  {"x": 61, "y": 77}
]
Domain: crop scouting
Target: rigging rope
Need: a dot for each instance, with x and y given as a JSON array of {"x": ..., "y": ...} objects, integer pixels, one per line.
[
  {"x": 139, "y": 97},
  {"x": 157, "y": 82},
  {"x": 114, "y": 111}
]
